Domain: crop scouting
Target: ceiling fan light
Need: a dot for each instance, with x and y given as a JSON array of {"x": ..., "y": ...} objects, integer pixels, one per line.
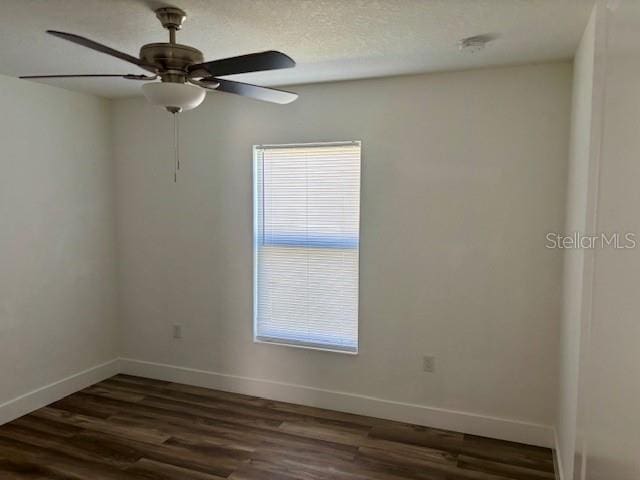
[{"x": 174, "y": 96}]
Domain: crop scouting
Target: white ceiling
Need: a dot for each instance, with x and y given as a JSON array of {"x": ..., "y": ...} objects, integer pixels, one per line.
[{"x": 330, "y": 39}]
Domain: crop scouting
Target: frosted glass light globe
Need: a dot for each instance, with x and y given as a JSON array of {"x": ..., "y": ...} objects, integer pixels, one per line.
[{"x": 174, "y": 96}]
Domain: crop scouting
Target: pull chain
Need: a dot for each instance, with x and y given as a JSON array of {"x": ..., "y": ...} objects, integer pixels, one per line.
[{"x": 176, "y": 143}]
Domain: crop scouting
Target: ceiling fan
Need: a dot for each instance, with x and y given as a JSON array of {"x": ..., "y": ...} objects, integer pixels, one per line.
[{"x": 184, "y": 75}]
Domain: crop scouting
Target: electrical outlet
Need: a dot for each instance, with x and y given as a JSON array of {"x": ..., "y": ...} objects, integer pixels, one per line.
[
  {"x": 177, "y": 331},
  {"x": 429, "y": 363}
]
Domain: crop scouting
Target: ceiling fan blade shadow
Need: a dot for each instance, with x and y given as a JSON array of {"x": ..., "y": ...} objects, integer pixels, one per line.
[
  {"x": 254, "y": 91},
  {"x": 128, "y": 76},
  {"x": 252, "y": 62},
  {"x": 85, "y": 42}
]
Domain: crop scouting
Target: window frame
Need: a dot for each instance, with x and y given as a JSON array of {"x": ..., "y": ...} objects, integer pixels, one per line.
[{"x": 255, "y": 189}]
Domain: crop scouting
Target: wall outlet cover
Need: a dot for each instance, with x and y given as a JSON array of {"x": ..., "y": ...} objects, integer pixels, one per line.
[
  {"x": 177, "y": 331},
  {"x": 429, "y": 363}
]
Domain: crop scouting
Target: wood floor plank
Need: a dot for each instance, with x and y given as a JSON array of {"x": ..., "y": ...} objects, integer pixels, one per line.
[
  {"x": 140, "y": 380},
  {"x": 178, "y": 387},
  {"x": 319, "y": 464},
  {"x": 84, "y": 405},
  {"x": 306, "y": 453},
  {"x": 189, "y": 429},
  {"x": 116, "y": 394},
  {"x": 308, "y": 412},
  {"x": 240, "y": 437},
  {"x": 47, "y": 426},
  {"x": 116, "y": 407},
  {"x": 261, "y": 469},
  {"x": 185, "y": 392},
  {"x": 63, "y": 465},
  {"x": 143, "y": 434},
  {"x": 209, "y": 449},
  {"x": 321, "y": 432},
  {"x": 217, "y": 394},
  {"x": 132, "y": 428},
  {"x": 407, "y": 453},
  {"x": 169, "y": 454},
  {"x": 54, "y": 446},
  {"x": 527, "y": 456},
  {"x": 12, "y": 469},
  {"x": 287, "y": 440},
  {"x": 477, "y": 447},
  {"x": 500, "y": 468},
  {"x": 417, "y": 470},
  {"x": 152, "y": 470},
  {"x": 227, "y": 403},
  {"x": 212, "y": 413},
  {"x": 221, "y": 428}
]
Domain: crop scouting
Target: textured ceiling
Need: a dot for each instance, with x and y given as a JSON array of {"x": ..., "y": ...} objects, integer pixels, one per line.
[{"x": 330, "y": 39}]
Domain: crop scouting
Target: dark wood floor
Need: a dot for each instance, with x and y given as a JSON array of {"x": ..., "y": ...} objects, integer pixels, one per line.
[{"x": 128, "y": 428}]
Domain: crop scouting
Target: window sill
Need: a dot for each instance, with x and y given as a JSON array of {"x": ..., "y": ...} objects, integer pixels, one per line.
[{"x": 306, "y": 347}]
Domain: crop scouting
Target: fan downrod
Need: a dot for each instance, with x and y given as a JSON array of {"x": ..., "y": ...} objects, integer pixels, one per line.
[
  {"x": 171, "y": 59},
  {"x": 172, "y": 19}
]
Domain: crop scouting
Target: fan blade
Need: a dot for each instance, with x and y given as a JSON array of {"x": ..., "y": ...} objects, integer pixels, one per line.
[
  {"x": 85, "y": 42},
  {"x": 128, "y": 76},
  {"x": 254, "y": 91},
  {"x": 253, "y": 62}
]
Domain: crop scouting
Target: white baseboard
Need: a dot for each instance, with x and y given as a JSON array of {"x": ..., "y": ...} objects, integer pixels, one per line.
[
  {"x": 557, "y": 458},
  {"x": 493, "y": 427},
  {"x": 53, "y": 392}
]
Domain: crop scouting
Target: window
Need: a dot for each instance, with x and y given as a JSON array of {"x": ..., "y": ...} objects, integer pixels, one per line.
[{"x": 307, "y": 236}]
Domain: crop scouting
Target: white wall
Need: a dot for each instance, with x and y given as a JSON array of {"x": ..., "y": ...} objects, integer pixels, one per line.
[
  {"x": 598, "y": 419},
  {"x": 57, "y": 268},
  {"x": 612, "y": 425},
  {"x": 464, "y": 174},
  {"x": 578, "y": 263}
]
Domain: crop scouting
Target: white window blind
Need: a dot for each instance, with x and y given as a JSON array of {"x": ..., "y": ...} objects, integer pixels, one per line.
[{"x": 307, "y": 236}]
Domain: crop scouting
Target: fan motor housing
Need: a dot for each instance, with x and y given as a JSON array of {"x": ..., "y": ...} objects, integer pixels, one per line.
[{"x": 170, "y": 57}]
